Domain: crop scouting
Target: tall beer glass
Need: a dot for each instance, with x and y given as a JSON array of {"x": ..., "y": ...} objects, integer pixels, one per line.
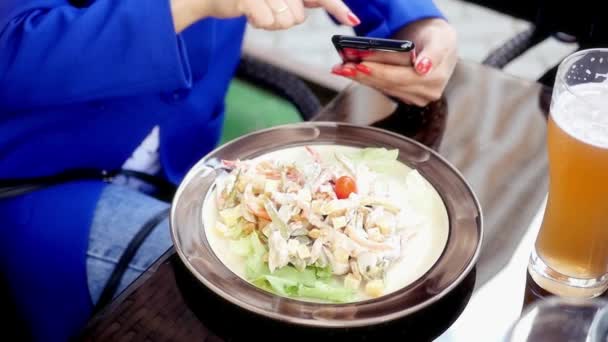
[{"x": 570, "y": 257}]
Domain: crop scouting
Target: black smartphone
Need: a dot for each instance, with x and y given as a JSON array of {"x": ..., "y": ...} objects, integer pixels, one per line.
[{"x": 354, "y": 49}]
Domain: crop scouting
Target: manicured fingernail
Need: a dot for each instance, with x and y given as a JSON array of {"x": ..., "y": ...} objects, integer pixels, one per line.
[
  {"x": 364, "y": 69},
  {"x": 349, "y": 72},
  {"x": 337, "y": 70},
  {"x": 353, "y": 19},
  {"x": 424, "y": 65},
  {"x": 343, "y": 71}
]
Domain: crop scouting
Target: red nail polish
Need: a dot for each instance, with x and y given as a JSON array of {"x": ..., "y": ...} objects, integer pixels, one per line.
[
  {"x": 339, "y": 70},
  {"x": 424, "y": 66},
  {"x": 353, "y": 19},
  {"x": 365, "y": 53},
  {"x": 364, "y": 69},
  {"x": 336, "y": 68},
  {"x": 349, "y": 72}
]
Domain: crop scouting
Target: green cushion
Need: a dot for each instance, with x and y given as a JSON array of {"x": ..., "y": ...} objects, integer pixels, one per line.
[{"x": 249, "y": 108}]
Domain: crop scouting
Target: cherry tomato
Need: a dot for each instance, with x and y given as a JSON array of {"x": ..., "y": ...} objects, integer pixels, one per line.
[{"x": 345, "y": 186}]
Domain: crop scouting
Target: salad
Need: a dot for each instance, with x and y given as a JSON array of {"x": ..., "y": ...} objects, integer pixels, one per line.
[{"x": 326, "y": 227}]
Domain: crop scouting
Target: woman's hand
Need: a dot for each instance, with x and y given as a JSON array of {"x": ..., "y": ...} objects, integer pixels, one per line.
[
  {"x": 264, "y": 14},
  {"x": 417, "y": 81}
]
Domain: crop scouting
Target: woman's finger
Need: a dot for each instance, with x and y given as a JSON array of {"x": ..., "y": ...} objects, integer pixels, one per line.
[
  {"x": 337, "y": 9},
  {"x": 297, "y": 10},
  {"x": 283, "y": 18},
  {"x": 420, "y": 91},
  {"x": 258, "y": 13},
  {"x": 389, "y": 75},
  {"x": 436, "y": 44}
]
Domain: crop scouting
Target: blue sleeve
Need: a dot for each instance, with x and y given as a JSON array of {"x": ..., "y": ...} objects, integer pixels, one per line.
[
  {"x": 383, "y": 18},
  {"x": 52, "y": 53}
]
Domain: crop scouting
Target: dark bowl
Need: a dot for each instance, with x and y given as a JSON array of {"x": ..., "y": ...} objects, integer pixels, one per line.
[{"x": 454, "y": 264}]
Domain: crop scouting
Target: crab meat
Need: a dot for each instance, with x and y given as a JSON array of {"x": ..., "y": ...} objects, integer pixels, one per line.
[{"x": 278, "y": 254}]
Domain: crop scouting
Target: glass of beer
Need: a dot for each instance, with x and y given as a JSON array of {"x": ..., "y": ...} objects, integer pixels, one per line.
[{"x": 570, "y": 257}]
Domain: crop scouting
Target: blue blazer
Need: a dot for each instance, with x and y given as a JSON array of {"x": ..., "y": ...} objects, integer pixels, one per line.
[{"x": 81, "y": 87}]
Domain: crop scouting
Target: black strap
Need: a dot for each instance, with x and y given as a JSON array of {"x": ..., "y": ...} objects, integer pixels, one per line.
[
  {"x": 20, "y": 186},
  {"x": 114, "y": 280}
]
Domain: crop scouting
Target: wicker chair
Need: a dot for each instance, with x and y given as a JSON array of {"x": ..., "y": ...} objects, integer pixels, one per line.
[{"x": 544, "y": 25}]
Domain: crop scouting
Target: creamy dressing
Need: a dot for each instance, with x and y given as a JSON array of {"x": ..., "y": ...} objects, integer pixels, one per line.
[{"x": 425, "y": 241}]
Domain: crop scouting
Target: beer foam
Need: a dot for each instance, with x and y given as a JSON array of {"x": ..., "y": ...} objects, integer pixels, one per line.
[{"x": 583, "y": 113}]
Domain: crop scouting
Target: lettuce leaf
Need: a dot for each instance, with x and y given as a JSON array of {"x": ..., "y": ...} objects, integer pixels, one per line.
[
  {"x": 324, "y": 291},
  {"x": 323, "y": 272},
  {"x": 241, "y": 247},
  {"x": 313, "y": 282},
  {"x": 306, "y": 277},
  {"x": 377, "y": 154},
  {"x": 282, "y": 286},
  {"x": 379, "y": 159},
  {"x": 255, "y": 266}
]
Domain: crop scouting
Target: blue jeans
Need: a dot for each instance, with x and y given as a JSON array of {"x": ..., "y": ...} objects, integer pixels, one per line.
[{"x": 120, "y": 213}]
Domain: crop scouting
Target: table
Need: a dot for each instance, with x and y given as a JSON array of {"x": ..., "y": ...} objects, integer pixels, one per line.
[{"x": 490, "y": 126}]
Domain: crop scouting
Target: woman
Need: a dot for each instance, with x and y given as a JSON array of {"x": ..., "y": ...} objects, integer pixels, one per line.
[{"x": 82, "y": 86}]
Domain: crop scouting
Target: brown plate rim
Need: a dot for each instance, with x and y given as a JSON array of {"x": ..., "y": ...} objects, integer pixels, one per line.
[{"x": 340, "y": 315}]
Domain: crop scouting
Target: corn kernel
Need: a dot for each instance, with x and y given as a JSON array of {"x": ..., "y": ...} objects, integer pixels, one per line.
[
  {"x": 314, "y": 233},
  {"x": 374, "y": 288}
]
